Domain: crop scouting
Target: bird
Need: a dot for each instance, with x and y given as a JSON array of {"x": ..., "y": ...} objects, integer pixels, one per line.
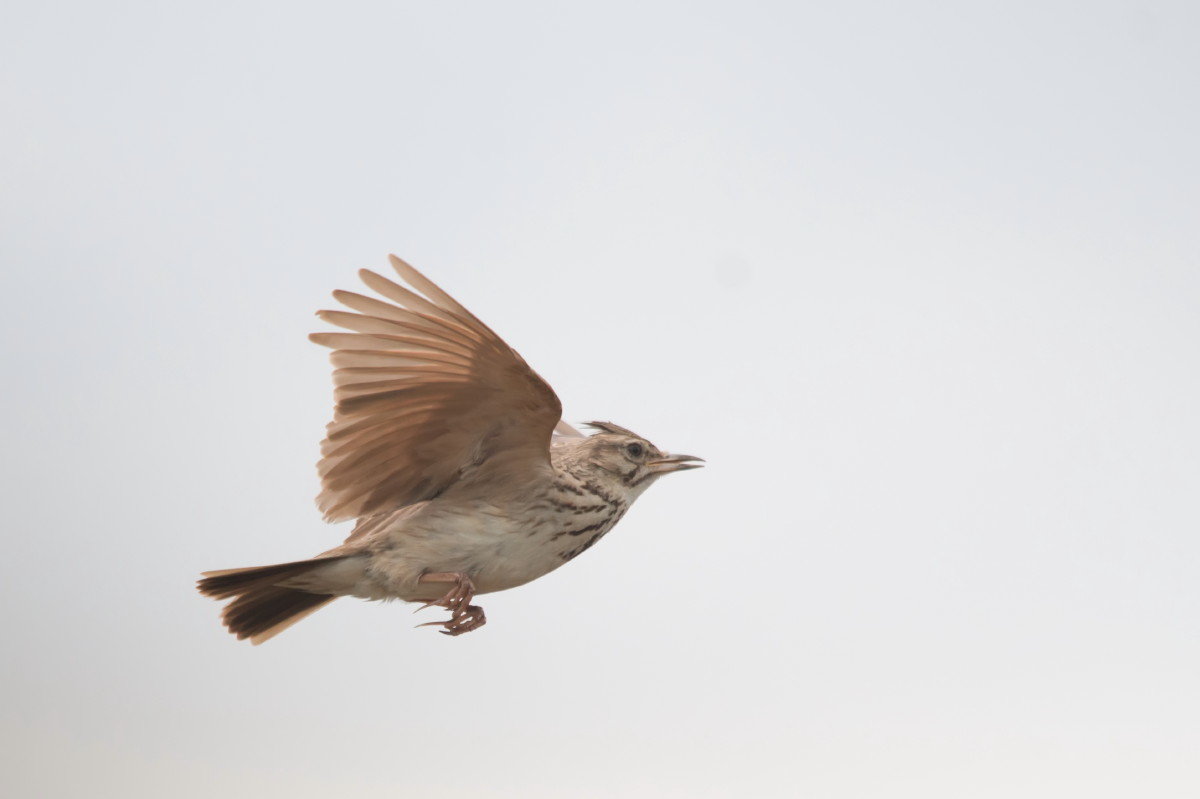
[{"x": 452, "y": 456}]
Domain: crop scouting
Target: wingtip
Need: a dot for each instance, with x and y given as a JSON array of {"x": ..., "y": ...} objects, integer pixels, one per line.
[{"x": 405, "y": 270}]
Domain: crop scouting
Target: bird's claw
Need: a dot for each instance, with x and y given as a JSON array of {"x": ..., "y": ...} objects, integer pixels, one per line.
[
  {"x": 471, "y": 618},
  {"x": 464, "y": 616}
]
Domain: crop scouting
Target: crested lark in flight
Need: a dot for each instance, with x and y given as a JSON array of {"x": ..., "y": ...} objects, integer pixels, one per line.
[{"x": 452, "y": 455}]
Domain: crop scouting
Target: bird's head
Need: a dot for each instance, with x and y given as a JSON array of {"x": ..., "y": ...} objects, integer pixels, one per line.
[{"x": 627, "y": 462}]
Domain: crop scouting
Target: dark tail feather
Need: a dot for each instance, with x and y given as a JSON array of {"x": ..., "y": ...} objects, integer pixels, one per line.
[
  {"x": 265, "y": 612},
  {"x": 263, "y": 608}
]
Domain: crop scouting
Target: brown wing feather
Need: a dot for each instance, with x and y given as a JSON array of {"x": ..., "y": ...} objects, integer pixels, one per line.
[{"x": 423, "y": 390}]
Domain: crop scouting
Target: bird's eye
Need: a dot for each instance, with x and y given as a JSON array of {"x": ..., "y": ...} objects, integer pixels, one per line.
[{"x": 635, "y": 450}]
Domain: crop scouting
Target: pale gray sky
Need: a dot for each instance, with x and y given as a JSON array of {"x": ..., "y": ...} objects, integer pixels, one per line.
[{"x": 921, "y": 281}]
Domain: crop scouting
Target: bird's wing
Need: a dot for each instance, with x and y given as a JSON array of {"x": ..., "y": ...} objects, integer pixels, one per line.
[{"x": 424, "y": 392}]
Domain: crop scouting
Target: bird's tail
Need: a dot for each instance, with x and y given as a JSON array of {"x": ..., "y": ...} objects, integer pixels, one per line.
[{"x": 264, "y": 602}]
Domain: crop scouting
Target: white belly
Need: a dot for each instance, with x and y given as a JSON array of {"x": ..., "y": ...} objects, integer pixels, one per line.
[{"x": 483, "y": 540}]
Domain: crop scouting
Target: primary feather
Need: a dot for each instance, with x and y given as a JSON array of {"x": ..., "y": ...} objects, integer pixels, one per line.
[{"x": 425, "y": 393}]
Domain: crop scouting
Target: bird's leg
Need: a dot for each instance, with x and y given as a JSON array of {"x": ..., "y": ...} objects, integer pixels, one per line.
[
  {"x": 457, "y": 598},
  {"x": 464, "y": 616}
]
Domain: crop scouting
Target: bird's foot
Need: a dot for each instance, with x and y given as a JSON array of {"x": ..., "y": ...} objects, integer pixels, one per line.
[
  {"x": 471, "y": 618},
  {"x": 464, "y": 616}
]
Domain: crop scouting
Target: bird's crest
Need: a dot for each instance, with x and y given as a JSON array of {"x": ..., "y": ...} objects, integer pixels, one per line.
[{"x": 609, "y": 427}]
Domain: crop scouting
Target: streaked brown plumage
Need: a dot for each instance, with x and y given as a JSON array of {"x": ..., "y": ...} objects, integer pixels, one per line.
[{"x": 452, "y": 455}]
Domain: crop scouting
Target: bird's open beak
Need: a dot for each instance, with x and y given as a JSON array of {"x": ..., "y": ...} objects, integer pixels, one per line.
[{"x": 674, "y": 463}]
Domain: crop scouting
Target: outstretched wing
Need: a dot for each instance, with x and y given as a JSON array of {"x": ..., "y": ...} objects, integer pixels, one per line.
[{"x": 424, "y": 393}]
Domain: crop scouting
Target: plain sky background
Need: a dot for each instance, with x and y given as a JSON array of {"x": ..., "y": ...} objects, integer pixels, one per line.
[{"x": 920, "y": 280}]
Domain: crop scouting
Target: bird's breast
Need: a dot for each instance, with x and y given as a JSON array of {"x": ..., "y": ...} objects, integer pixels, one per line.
[{"x": 503, "y": 544}]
